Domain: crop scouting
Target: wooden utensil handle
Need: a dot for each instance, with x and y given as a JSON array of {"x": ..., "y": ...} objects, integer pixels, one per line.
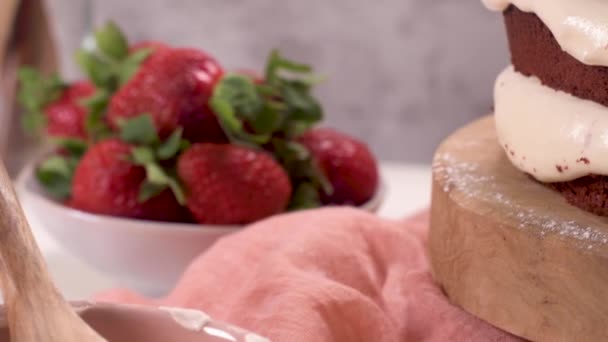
[{"x": 20, "y": 257}]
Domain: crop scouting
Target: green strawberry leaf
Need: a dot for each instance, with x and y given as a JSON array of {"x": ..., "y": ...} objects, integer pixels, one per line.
[
  {"x": 139, "y": 130},
  {"x": 302, "y": 105},
  {"x": 111, "y": 41},
  {"x": 106, "y": 59},
  {"x": 33, "y": 122},
  {"x": 149, "y": 190},
  {"x": 156, "y": 176},
  {"x": 271, "y": 115},
  {"x": 96, "y": 69},
  {"x": 37, "y": 91},
  {"x": 55, "y": 175},
  {"x": 276, "y": 63},
  {"x": 131, "y": 64},
  {"x": 170, "y": 147},
  {"x": 232, "y": 126},
  {"x": 95, "y": 123},
  {"x": 267, "y": 121},
  {"x": 142, "y": 155},
  {"x": 74, "y": 146},
  {"x": 305, "y": 196}
]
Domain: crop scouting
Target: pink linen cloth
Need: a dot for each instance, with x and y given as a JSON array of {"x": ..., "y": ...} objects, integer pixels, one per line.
[{"x": 333, "y": 274}]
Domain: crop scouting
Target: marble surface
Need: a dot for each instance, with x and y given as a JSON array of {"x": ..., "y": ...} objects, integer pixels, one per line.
[{"x": 402, "y": 73}]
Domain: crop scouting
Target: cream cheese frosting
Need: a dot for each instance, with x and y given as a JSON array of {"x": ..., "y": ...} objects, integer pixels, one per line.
[
  {"x": 579, "y": 26},
  {"x": 551, "y": 135}
]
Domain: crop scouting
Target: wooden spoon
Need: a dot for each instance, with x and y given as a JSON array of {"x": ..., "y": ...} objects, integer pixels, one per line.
[{"x": 36, "y": 311}]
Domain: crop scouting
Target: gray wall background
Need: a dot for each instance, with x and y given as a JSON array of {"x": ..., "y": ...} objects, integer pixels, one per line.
[{"x": 402, "y": 73}]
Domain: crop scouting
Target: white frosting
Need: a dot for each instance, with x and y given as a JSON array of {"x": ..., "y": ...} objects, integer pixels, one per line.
[
  {"x": 579, "y": 26},
  {"x": 549, "y": 134}
]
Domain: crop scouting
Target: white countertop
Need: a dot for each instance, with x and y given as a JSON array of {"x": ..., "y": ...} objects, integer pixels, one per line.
[{"x": 408, "y": 190}]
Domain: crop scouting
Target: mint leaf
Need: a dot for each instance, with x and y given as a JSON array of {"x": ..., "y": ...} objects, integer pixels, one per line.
[
  {"x": 171, "y": 146},
  {"x": 139, "y": 130},
  {"x": 55, "y": 175},
  {"x": 111, "y": 41}
]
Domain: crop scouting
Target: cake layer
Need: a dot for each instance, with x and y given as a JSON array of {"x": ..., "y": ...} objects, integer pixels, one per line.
[
  {"x": 552, "y": 135},
  {"x": 588, "y": 193},
  {"x": 579, "y": 26},
  {"x": 534, "y": 51}
]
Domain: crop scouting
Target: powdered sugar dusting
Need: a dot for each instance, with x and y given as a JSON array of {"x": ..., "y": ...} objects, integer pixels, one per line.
[{"x": 468, "y": 179}]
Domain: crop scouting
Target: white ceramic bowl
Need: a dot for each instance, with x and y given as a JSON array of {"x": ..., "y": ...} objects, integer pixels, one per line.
[
  {"x": 128, "y": 323},
  {"x": 146, "y": 256}
]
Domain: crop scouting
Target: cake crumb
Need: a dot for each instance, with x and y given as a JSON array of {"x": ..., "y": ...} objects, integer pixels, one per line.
[{"x": 584, "y": 160}]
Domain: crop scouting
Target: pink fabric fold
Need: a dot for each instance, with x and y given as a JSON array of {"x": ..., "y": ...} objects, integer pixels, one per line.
[{"x": 333, "y": 274}]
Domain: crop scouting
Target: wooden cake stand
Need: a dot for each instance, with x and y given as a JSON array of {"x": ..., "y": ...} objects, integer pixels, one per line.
[{"x": 511, "y": 251}]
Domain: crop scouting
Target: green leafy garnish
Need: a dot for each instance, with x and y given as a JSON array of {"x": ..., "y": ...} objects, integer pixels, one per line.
[
  {"x": 56, "y": 172},
  {"x": 139, "y": 130},
  {"x": 271, "y": 115},
  {"x": 171, "y": 146},
  {"x": 35, "y": 93},
  {"x": 150, "y": 152},
  {"x": 158, "y": 179},
  {"x": 112, "y": 42},
  {"x": 75, "y": 147},
  {"x": 109, "y": 64}
]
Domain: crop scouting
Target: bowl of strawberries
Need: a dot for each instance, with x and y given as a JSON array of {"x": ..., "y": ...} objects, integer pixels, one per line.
[{"x": 159, "y": 152}]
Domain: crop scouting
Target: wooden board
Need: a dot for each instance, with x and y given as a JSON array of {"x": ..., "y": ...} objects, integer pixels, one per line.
[{"x": 511, "y": 251}]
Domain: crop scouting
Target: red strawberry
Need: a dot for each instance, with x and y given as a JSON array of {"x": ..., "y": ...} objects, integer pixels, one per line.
[
  {"x": 348, "y": 163},
  {"x": 230, "y": 184},
  {"x": 66, "y": 116},
  {"x": 106, "y": 183},
  {"x": 173, "y": 86}
]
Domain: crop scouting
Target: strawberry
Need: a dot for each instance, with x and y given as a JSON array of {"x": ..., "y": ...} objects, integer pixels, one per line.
[
  {"x": 270, "y": 112},
  {"x": 348, "y": 164},
  {"x": 106, "y": 182},
  {"x": 173, "y": 86},
  {"x": 53, "y": 105},
  {"x": 231, "y": 184},
  {"x": 66, "y": 116}
]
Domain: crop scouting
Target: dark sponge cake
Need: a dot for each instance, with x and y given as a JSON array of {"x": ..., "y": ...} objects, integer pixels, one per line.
[
  {"x": 588, "y": 193},
  {"x": 535, "y": 52}
]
